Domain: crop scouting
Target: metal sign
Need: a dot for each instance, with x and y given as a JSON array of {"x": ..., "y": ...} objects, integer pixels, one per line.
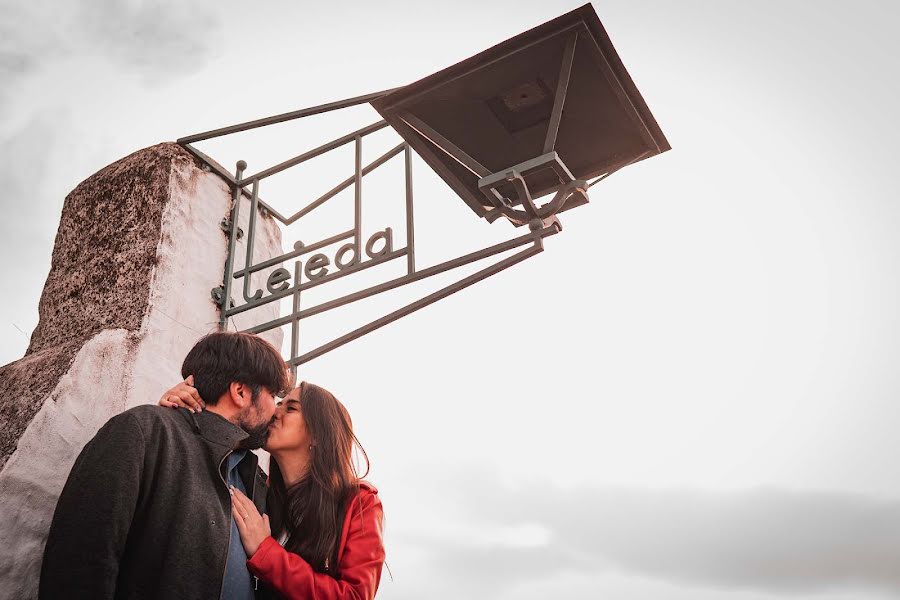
[{"x": 539, "y": 114}]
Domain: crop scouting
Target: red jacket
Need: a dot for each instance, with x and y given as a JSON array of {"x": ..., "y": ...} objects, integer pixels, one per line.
[{"x": 360, "y": 556}]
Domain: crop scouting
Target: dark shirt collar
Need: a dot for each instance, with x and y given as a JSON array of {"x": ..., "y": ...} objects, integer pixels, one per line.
[{"x": 234, "y": 458}]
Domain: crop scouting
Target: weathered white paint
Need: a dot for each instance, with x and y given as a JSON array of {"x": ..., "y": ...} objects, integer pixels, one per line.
[{"x": 118, "y": 369}]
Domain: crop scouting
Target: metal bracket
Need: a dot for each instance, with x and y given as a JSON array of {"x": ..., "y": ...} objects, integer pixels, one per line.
[
  {"x": 515, "y": 190},
  {"x": 217, "y": 294},
  {"x": 530, "y": 213},
  {"x": 226, "y": 227}
]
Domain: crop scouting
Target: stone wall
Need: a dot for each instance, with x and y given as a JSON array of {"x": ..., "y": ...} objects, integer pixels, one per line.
[{"x": 138, "y": 250}]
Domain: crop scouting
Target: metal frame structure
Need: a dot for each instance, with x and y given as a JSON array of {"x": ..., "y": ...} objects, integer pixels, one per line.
[
  {"x": 484, "y": 110},
  {"x": 542, "y": 224}
]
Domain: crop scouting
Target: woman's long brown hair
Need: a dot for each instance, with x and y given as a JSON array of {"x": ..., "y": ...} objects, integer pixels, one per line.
[{"x": 311, "y": 512}]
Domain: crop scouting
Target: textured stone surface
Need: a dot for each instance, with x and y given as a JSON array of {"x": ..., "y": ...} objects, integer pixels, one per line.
[
  {"x": 105, "y": 251},
  {"x": 25, "y": 383},
  {"x": 106, "y": 248},
  {"x": 138, "y": 250}
]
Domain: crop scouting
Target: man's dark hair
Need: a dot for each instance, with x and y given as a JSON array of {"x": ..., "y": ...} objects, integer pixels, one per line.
[{"x": 219, "y": 359}]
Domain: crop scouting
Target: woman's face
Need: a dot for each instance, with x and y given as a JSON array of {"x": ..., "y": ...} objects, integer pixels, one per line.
[{"x": 288, "y": 432}]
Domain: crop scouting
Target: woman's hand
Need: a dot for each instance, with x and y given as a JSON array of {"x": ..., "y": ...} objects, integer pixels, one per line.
[
  {"x": 252, "y": 527},
  {"x": 183, "y": 395}
]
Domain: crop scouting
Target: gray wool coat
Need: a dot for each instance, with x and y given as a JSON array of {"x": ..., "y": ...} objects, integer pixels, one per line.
[{"x": 146, "y": 512}]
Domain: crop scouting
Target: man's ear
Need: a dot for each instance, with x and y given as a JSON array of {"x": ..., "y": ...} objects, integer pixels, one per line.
[{"x": 240, "y": 394}]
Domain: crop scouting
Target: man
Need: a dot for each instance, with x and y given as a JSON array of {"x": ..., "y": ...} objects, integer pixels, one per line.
[{"x": 146, "y": 511}]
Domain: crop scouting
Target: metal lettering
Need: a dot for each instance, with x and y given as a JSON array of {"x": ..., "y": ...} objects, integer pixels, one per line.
[
  {"x": 278, "y": 281},
  {"x": 317, "y": 266},
  {"x": 339, "y": 257},
  {"x": 388, "y": 236}
]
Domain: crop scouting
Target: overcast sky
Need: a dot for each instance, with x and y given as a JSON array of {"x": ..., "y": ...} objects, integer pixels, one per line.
[{"x": 692, "y": 394}]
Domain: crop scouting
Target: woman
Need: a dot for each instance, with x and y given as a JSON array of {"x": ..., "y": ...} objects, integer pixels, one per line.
[{"x": 326, "y": 520}]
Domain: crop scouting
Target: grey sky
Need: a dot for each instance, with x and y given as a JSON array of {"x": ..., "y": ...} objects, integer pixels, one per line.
[
  {"x": 706, "y": 410},
  {"x": 761, "y": 540}
]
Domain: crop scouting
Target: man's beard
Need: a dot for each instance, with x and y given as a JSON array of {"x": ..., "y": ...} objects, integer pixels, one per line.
[{"x": 257, "y": 435}]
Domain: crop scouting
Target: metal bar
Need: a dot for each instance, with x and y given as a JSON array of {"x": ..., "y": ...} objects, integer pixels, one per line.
[
  {"x": 418, "y": 304},
  {"x": 562, "y": 85},
  {"x": 434, "y": 157},
  {"x": 315, "y": 152},
  {"x": 288, "y": 116},
  {"x": 251, "y": 227},
  {"x": 444, "y": 144},
  {"x": 295, "y": 325},
  {"x": 599, "y": 179},
  {"x": 304, "y": 250},
  {"x": 406, "y": 279},
  {"x": 616, "y": 168},
  {"x": 213, "y": 164},
  {"x": 410, "y": 224},
  {"x": 317, "y": 282},
  {"x": 345, "y": 184},
  {"x": 232, "y": 240},
  {"x": 357, "y": 196},
  {"x": 524, "y": 168},
  {"x": 221, "y": 172}
]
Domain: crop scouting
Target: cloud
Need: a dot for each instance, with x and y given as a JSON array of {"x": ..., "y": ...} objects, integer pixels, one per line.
[
  {"x": 161, "y": 34},
  {"x": 168, "y": 37},
  {"x": 152, "y": 39},
  {"x": 24, "y": 150},
  {"x": 765, "y": 539}
]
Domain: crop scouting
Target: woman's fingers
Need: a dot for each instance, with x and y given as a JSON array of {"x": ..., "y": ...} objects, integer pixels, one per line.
[
  {"x": 239, "y": 519},
  {"x": 183, "y": 395},
  {"x": 175, "y": 399},
  {"x": 239, "y": 510},
  {"x": 191, "y": 398},
  {"x": 238, "y": 494},
  {"x": 189, "y": 394},
  {"x": 247, "y": 508}
]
